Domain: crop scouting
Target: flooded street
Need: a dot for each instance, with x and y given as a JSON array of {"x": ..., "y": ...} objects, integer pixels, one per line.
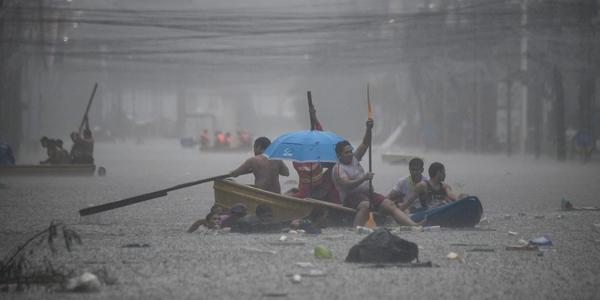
[{"x": 518, "y": 194}]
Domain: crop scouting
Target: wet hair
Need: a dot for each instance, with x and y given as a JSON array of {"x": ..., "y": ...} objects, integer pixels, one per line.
[
  {"x": 415, "y": 162},
  {"x": 262, "y": 142},
  {"x": 339, "y": 147},
  {"x": 216, "y": 209},
  {"x": 434, "y": 168},
  {"x": 239, "y": 209},
  {"x": 262, "y": 209}
]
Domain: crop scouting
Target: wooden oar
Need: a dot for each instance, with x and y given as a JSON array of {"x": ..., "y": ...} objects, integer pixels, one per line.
[
  {"x": 87, "y": 109},
  {"x": 310, "y": 109},
  {"x": 370, "y": 117},
  {"x": 144, "y": 197}
]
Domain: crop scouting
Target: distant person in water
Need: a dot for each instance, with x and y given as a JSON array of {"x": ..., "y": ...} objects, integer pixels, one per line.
[
  {"x": 266, "y": 172},
  {"x": 352, "y": 183},
  {"x": 405, "y": 186},
  {"x": 7, "y": 157}
]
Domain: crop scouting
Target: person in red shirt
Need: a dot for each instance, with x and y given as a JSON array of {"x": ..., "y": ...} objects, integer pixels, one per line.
[{"x": 313, "y": 181}]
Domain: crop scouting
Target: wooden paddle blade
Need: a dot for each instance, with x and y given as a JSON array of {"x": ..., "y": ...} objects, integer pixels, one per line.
[
  {"x": 125, "y": 202},
  {"x": 370, "y": 114}
]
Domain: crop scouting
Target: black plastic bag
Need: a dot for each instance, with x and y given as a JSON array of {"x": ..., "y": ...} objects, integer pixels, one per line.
[{"x": 382, "y": 246}]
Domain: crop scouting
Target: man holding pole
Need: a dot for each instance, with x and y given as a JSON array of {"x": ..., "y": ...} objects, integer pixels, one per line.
[{"x": 353, "y": 185}]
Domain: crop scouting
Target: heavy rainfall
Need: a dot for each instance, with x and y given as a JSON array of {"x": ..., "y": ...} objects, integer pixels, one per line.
[{"x": 334, "y": 149}]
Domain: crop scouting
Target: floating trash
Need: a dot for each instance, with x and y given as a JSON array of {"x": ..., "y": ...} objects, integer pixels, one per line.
[
  {"x": 541, "y": 241},
  {"x": 296, "y": 278},
  {"x": 513, "y": 233},
  {"x": 305, "y": 264},
  {"x": 136, "y": 245},
  {"x": 256, "y": 250},
  {"x": 522, "y": 248},
  {"x": 85, "y": 283},
  {"x": 454, "y": 256},
  {"x": 323, "y": 252}
]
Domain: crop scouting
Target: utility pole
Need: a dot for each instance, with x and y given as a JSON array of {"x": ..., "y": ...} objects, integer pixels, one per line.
[
  {"x": 524, "y": 82},
  {"x": 508, "y": 117}
]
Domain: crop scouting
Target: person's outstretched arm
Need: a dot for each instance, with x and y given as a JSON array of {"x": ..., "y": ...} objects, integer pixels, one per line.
[
  {"x": 245, "y": 168},
  {"x": 362, "y": 148}
]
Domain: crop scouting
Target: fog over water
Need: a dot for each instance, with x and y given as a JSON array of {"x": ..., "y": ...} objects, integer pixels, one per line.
[{"x": 455, "y": 73}]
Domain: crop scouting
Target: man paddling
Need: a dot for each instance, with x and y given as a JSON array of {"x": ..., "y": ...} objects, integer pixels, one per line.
[
  {"x": 353, "y": 183},
  {"x": 266, "y": 172}
]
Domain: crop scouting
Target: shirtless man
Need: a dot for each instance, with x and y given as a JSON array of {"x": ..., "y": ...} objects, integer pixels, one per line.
[
  {"x": 433, "y": 192},
  {"x": 353, "y": 184},
  {"x": 266, "y": 172}
]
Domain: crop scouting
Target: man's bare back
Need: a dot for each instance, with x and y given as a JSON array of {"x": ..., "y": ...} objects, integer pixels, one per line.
[{"x": 266, "y": 172}]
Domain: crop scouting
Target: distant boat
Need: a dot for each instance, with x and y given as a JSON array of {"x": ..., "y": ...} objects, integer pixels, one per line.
[
  {"x": 285, "y": 208},
  {"x": 48, "y": 170}
]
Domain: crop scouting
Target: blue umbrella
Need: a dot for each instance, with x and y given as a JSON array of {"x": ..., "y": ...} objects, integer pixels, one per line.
[{"x": 305, "y": 146}]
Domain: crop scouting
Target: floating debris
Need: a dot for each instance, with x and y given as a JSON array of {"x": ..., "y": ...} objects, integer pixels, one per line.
[
  {"x": 305, "y": 264},
  {"x": 256, "y": 250},
  {"x": 323, "y": 252},
  {"x": 481, "y": 250},
  {"x": 541, "y": 241},
  {"x": 85, "y": 283},
  {"x": 513, "y": 233},
  {"x": 136, "y": 245},
  {"x": 454, "y": 256},
  {"x": 296, "y": 278},
  {"x": 469, "y": 245},
  {"x": 275, "y": 294},
  {"x": 522, "y": 248}
]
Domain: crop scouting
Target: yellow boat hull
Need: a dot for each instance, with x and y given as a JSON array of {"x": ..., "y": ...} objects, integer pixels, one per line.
[{"x": 285, "y": 208}]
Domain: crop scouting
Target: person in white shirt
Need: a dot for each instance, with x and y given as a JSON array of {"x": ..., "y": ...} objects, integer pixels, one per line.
[{"x": 405, "y": 186}]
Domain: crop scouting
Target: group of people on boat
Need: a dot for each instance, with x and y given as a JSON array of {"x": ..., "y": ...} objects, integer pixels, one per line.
[
  {"x": 347, "y": 183},
  {"x": 82, "y": 150},
  {"x": 224, "y": 140}
]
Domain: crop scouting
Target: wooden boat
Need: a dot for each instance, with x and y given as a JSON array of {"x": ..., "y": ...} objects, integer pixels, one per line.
[
  {"x": 396, "y": 158},
  {"x": 285, "y": 208},
  {"x": 48, "y": 170}
]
